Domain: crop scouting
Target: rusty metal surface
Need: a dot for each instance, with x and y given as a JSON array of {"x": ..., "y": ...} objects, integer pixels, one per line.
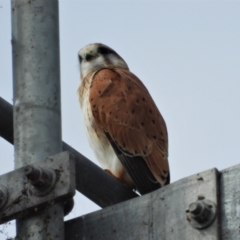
[
  {"x": 158, "y": 215},
  {"x": 21, "y": 198},
  {"x": 230, "y": 203}
]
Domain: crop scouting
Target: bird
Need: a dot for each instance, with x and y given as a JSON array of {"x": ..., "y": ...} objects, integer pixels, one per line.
[{"x": 124, "y": 126}]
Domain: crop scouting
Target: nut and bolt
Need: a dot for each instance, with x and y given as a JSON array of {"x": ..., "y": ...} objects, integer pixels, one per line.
[
  {"x": 42, "y": 179},
  {"x": 201, "y": 213}
]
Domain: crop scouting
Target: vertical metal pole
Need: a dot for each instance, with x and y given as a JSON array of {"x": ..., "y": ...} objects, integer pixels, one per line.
[{"x": 37, "y": 117}]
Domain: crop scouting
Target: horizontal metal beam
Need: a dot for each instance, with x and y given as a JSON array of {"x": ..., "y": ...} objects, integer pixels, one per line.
[
  {"x": 162, "y": 214},
  {"x": 6, "y": 120},
  {"x": 91, "y": 180}
]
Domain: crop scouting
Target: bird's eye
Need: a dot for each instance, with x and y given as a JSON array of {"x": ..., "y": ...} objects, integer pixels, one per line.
[
  {"x": 104, "y": 50},
  {"x": 80, "y": 58},
  {"x": 88, "y": 57}
]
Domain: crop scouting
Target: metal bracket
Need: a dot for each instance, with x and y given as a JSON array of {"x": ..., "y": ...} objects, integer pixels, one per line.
[{"x": 36, "y": 186}]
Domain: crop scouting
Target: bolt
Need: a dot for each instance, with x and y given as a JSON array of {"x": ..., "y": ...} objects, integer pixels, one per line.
[
  {"x": 39, "y": 178},
  {"x": 200, "y": 211},
  {"x": 195, "y": 208},
  {"x": 32, "y": 173}
]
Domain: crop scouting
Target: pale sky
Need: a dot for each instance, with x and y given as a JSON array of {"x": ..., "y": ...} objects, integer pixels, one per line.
[{"x": 187, "y": 53}]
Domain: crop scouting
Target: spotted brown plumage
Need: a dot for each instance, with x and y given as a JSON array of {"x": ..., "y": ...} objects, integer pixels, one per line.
[{"x": 125, "y": 127}]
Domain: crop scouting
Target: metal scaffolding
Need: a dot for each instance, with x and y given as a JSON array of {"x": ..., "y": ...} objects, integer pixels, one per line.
[{"x": 203, "y": 206}]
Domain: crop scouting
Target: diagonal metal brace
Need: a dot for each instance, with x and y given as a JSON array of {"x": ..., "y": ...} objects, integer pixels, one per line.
[{"x": 36, "y": 186}]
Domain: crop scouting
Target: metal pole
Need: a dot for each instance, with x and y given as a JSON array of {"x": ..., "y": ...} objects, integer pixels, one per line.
[{"x": 37, "y": 117}]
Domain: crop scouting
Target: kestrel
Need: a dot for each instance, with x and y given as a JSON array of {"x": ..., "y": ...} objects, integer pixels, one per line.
[{"x": 125, "y": 128}]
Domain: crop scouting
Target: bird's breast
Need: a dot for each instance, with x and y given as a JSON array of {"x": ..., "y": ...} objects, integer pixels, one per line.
[{"x": 96, "y": 136}]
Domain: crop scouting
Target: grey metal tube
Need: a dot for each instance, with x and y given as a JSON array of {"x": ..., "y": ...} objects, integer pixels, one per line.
[
  {"x": 91, "y": 180},
  {"x": 37, "y": 117}
]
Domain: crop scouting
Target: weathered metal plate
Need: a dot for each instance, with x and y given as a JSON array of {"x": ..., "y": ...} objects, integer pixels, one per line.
[
  {"x": 230, "y": 203},
  {"x": 22, "y": 201},
  {"x": 158, "y": 215}
]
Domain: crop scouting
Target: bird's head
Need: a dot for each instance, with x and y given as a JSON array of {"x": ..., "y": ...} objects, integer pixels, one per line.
[{"x": 96, "y": 56}]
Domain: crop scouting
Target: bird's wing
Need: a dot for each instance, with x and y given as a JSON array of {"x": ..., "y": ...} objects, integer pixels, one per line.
[{"x": 124, "y": 109}]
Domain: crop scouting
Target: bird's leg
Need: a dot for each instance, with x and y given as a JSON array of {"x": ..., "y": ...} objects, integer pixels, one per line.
[
  {"x": 120, "y": 179},
  {"x": 110, "y": 173}
]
